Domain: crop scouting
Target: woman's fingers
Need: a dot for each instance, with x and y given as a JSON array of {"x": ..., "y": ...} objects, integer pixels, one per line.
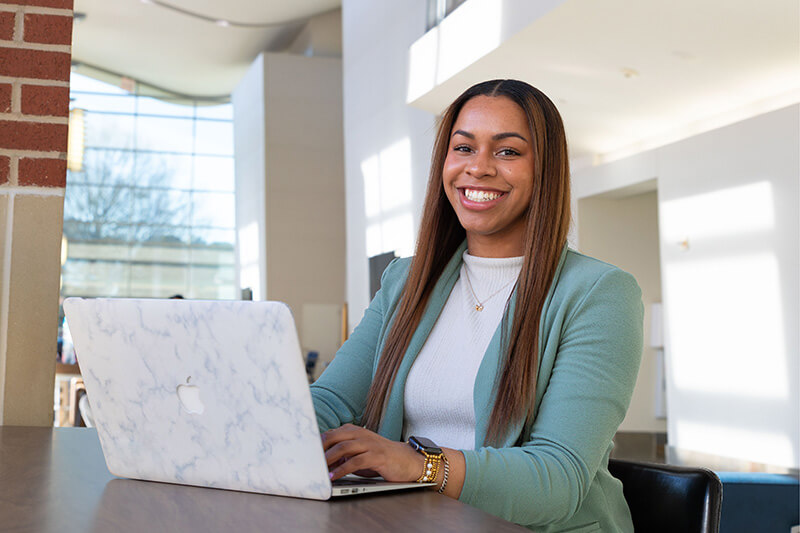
[
  {"x": 344, "y": 433},
  {"x": 344, "y": 450},
  {"x": 352, "y": 465}
]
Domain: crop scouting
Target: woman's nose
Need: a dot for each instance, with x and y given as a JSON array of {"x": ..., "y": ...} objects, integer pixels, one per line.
[{"x": 481, "y": 165}]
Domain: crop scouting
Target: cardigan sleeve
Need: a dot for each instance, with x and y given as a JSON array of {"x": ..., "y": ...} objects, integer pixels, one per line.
[
  {"x": 545, "y": 480},
  {"x": 340, "y": 393}
]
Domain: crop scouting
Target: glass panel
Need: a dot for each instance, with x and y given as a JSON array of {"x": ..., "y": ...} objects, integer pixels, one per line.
[
  {"x": 164, "y": 134},
  {"x": 170, "y": 246},
  {"x": 172, "y": 237},
  {"x": 453, "y": 4},
  {"x": 97, "y": 206},
  {"x": 156, "y": 106},
  {"x": 107, "y": 233},
  {"x": 223, "y": 112},
  {"x": 214, "y": 173},
  {"x": 76, "y": 177},
  {"x": 95, "y": 278},
  {"x": 214, "y": 137},
  {"x": 219, "y": 241},
  {"x": 113, "y": 103},
  {"x": 164, "y": 170},
  {"x": 213, "y": 209},
  {"x": 212, "y": 282},
  {"x": 160, "y": 207},
  {"x": 103, "y": 166},
  {"x": 156, "y": 280},
  {"x": 108, "y": 131}
]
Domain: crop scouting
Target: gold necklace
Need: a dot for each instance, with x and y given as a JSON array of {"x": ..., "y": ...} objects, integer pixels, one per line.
[{"x": 479, "y": 305}]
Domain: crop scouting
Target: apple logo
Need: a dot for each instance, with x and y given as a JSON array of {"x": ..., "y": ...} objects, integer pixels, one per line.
[{"x": 189, "y": 396}]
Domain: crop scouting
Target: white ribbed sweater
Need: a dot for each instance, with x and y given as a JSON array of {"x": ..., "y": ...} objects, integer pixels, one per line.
[{"x": 438, "y": 400}]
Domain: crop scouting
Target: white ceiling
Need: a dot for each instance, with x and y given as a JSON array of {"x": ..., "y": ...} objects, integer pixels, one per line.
[
  {"x": 698, "y": 66},
  {"x": 181, "y": 53}
]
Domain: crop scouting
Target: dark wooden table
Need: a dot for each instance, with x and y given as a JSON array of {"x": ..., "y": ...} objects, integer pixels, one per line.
[{"x": 55, "y": 480}]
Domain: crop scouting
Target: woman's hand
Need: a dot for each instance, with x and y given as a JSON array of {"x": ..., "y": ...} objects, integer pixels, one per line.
[{"x": 350, "y": 449}]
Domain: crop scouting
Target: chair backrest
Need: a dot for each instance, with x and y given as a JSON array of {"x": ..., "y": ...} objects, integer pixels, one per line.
[{"x": 666, "y": 498}]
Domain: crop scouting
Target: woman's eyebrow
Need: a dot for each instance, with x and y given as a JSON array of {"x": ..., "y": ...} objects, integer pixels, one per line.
[
  {"x": 506, "y": 135},
  {"x": 496, "y": 137},
  {"x": 464, "y": 133}
]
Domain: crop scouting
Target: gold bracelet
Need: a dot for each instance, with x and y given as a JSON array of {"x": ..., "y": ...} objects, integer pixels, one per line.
[
  {"x": 431, "y": 468},
  {"x": 446, "y": 472}
]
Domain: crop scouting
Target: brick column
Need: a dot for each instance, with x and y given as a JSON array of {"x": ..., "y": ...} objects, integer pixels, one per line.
[{"x": 35, "y": 50}]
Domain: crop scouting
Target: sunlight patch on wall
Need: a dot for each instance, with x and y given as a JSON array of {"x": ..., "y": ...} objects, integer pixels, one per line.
[
  {"x": 387, "y": 200},
  {"x": 758, "y": 446},
  {"x": 734, "y": 344},
  {"x": 736, "y": 211},
  {"x": 371, "y": 170},
  {"x": 398, "y": 235}
]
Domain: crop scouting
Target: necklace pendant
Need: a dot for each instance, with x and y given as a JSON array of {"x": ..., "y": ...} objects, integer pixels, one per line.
[{"x": 478, "y": 307}]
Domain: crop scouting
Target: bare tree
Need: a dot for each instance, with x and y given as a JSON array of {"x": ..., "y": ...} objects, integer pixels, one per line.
[{"x": 124, "y": 196}]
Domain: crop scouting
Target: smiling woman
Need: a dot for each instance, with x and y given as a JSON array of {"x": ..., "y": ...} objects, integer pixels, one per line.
[{"x": 505, "y": 359}]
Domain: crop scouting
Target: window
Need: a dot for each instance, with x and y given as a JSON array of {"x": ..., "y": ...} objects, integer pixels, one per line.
[
  {"x": 439, "y": 9},
  {"x": 151, "y": 211}
]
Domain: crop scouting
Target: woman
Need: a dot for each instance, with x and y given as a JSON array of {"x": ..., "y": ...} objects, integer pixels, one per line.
[{"x": 514, "y": 354}]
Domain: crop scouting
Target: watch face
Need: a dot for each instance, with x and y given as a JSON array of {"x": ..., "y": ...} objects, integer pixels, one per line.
[{"x": 427, "y": 445}]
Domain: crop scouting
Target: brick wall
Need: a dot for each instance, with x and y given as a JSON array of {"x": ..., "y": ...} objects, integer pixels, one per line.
[
  {"x": 35, "y": 39},
  {"x": 35, "y": 52}
]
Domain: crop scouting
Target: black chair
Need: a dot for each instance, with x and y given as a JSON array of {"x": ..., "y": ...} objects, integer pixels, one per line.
[{"x": 668, "y": 499}]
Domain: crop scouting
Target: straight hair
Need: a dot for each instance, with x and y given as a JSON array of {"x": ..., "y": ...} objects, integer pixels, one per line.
[{"x": 440, "y": 234}]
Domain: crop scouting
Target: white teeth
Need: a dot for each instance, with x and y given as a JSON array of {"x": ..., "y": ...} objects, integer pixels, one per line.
[{"x": 481, "y": 196}]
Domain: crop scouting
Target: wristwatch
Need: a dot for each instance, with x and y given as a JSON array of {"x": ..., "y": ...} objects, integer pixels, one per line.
[{"x": 433, "y": 457}]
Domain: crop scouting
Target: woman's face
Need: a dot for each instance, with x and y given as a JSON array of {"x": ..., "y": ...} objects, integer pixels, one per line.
[{"x": 488, "y": 175}]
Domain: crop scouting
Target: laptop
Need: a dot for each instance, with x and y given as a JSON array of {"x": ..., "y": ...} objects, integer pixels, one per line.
[{"x": 205, "y": 393}]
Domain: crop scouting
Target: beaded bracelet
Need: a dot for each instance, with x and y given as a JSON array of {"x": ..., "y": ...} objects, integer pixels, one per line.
[{"x": 431, "y": 468}]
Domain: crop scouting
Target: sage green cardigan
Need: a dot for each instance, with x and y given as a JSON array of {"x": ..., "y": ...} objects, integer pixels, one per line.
[{"x": 551, "y": 475}]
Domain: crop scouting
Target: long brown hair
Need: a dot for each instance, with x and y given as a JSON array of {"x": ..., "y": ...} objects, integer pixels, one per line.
[{"x": 440, "y": 234}]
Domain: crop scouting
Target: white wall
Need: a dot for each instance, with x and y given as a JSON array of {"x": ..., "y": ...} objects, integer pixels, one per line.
[
  {"x": 290, "y": 181},
  {"x": 387, "y": 143},
  {"x": 730, "y": 259},
  {"x": 623, "y": 231},
  {"x": 249, "y": 147}
]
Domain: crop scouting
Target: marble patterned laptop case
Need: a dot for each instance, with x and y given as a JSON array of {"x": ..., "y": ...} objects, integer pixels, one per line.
[{"x": 238, "y": 364}]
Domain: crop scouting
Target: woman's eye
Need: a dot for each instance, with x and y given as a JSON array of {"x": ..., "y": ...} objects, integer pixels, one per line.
[
  {"x": 461, "y": 148},
  {"x": 508, "y": 152}
]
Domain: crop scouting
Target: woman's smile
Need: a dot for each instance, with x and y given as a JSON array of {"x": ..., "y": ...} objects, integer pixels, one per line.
[{"x": 480, "y": 199}]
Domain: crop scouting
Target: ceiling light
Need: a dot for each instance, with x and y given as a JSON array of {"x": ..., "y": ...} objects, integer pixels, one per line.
[
  {"x": 629, "y": 73},
  {"x": 223, "y": 23},
  {"x": 75, "y": 140}
]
